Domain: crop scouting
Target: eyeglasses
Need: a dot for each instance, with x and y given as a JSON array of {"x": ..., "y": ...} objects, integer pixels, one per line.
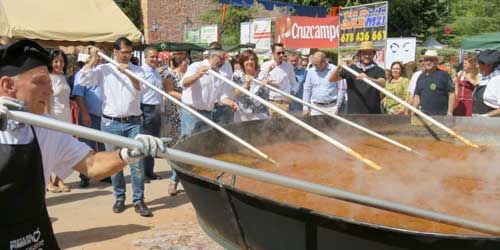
[
  {"x": 125, "y": 52},
  {"x": 280, "y": 53}
]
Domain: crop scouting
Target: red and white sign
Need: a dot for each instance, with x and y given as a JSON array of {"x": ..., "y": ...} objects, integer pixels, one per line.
[
  {"x": 261, "y": 35},
  {"x": 307, "y": 32}
]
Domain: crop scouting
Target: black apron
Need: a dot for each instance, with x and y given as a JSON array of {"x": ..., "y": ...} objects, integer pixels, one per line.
[
  {"x": 24, "y": 220},
  {"x": 478, "y": 106}
]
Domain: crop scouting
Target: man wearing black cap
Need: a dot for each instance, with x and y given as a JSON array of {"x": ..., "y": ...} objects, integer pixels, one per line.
[
  {"x": 28, "y": 154},
  {"x": 486, "y": 95}
]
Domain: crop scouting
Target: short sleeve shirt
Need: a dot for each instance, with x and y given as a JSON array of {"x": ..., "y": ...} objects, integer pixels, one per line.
[
  {"x": 60, "y": 152},
  {"x": 361, "y": 97},
  {"x": 433, "y": 90}
]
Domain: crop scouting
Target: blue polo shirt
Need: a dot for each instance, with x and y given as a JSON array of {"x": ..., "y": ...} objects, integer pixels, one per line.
[
  {"x": 433, "y": 90},
  {"x": 91, "y": 96}
]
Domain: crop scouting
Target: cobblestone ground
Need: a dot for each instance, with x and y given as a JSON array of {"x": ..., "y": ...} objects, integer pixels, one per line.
[{"x": 178, "y": 236}]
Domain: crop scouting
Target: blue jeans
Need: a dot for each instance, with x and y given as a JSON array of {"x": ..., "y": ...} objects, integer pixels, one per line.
[
  {"x": 128, "y": 129},
  {"x": 151, "y": 126},
  {"x": 295, "y": 107},
  {"x": 189, "y": 125},
  {"x": 96, "y": 146},
  {"x": 223, "y": 114}
]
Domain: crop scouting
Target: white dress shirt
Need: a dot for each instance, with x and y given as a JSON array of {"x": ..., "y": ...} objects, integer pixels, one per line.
[
  {"x": 119, "y": 97},
  {"x": 60, "y": 152},
  {"x": 206, "y": 91},
  {"x": 227, "y": 90},
  {"x": 491, "y": 95},
  {"x": 150, "y": 96},
  {"x": 413, "y": 83},
  {"x": 282, "y": 75}
]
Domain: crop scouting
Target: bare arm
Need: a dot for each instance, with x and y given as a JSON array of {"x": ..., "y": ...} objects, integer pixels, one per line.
[
  {"x": 451, "y": 102},
  {"x": 335, "y": 76},
  {"x": 494, "y": 113},
  {"x": 83, "y": 110},
  {"x": 100, "y": 165},
  {"x": 190, "y": 80},
  {"x": 168, "y": 85},
  {"x": 247, "y": 80},
  {"x": 416, "y": 101}
]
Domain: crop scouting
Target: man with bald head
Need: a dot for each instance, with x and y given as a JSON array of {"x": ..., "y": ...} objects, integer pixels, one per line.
[
  {"x": 29, "y": 154},
  {"x": 319, "y": 90}
]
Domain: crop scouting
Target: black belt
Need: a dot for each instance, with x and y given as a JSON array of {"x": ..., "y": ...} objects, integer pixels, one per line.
[
  {"x": 279, "y": 101},
  {"x": 149, "y": 105},
  {"x": 327, "y": 103},
  {"x": 122, "y": 119}
]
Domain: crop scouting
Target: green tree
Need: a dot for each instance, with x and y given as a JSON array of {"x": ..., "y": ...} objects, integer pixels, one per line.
[
  {"x": 472, "y": 17},
  {"x": 231, "y": 28},
  {"x": 132, "y": 10}
]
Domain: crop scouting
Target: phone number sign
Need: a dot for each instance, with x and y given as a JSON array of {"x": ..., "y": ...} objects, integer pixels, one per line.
[{"x": 363, "y": 23}]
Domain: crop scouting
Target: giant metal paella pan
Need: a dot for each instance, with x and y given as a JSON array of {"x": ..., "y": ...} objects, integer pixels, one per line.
[{"x": 446, "y": 177}]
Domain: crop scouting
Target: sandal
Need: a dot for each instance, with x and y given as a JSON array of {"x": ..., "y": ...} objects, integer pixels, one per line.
[
  {"x": 64, "y": 188},
  {"x": 52, "y": 188}
]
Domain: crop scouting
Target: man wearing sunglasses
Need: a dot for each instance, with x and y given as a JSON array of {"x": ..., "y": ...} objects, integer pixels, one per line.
[
  {"x": 280, "y": 75},
  {"x": 361, "y": 97}
]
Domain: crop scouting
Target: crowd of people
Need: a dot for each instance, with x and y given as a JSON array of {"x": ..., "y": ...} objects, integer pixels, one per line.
[
  {"x": 107, "y": 99},
  {"x": 31, "y": 81}
]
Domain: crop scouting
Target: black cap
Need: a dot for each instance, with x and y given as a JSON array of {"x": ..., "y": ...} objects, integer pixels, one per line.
[
  {"x": 21, "y": 56},
  {"x": 488, "y": 57}
]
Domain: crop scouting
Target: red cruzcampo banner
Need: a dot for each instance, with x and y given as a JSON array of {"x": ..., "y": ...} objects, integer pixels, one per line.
[{"x": 307, "y": 32}]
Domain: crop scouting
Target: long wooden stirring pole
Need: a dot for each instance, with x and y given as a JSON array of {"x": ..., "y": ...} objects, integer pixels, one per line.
[
  {"x": 194, "y": 112},
  {"x": 339, "y": 118},
  {"x": 299, "y": 122},
  {"x": 256, "y": 174},
  {"x": 415, "y": 110}
]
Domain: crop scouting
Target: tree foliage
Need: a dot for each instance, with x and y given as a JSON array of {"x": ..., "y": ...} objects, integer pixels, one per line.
[
  {"x": 132, "y": 10},
  {"x": 231, "y": 28},
  {"x": 470, "y": 18}
]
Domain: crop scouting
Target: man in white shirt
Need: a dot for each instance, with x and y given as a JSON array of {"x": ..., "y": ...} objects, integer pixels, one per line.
[
  {"x": 202, "y": 91},
  {"x": 121, "y": 96},
  {"x": 413, "y": 81},
  {"x": 281, "y": 75},
  {"x": 150, "y": 105},
  {"x": 222, "y": 113},
  {"x": 29, "y": 154}
]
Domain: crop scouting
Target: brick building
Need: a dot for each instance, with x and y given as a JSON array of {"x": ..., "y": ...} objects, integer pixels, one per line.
[{"x": 164, "y": 20}]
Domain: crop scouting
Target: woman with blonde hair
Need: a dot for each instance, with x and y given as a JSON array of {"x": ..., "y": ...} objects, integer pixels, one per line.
[
  {"x": 397, "y": 84},
  {"x": 465, "y": 82}
]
